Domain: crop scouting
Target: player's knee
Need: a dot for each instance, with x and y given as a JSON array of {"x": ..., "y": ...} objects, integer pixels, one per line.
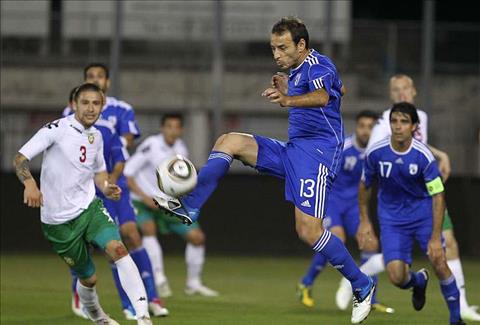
[
  {"x": 116, "y": 250},
  {"x": 131, "y": 237},
  {"x": 308, "y": 234},
  {"x": 149, "y": 228},
  {"x": 441, "y": 267},
  {"x": 231, "y": 143},
  {"x": 396, "y": 276},
  {"x": 196, "y": 237},
  {"x": 89, "y": 282},
  {"x": 371, "y": 245}
]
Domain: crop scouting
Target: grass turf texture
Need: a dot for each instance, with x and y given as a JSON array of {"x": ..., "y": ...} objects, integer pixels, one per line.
[{"x": 257, "y": 290}]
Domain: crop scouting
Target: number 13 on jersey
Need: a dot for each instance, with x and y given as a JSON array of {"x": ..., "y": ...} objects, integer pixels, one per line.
[{"x": 307, "y": 187}]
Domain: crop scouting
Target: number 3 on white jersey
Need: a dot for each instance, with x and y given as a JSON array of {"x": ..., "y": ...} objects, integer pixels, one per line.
[
  {"x": 385, "y": 168},
  {"x": 307, "y": 187}
]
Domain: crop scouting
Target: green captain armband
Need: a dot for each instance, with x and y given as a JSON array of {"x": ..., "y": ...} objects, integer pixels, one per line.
[{"x": 435, "y": 186}]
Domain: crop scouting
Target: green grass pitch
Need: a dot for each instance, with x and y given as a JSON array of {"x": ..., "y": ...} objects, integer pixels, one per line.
[{"x": 254, "y": 290}]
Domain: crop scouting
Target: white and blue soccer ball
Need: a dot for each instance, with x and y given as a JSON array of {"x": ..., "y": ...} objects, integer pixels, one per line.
[{"x": 176, "y": 176}]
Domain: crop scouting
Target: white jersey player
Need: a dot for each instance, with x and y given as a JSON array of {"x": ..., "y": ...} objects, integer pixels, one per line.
[
  {"x": 140, "y": 171},
  {"x": 402, "y": 89},
  {"x": 72, "y": 217}
]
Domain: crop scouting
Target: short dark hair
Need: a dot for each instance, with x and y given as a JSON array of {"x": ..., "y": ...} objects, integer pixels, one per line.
[
  {"x": 96, "y": 65},
  {"x": 405, "y": 108},
  {"x": 167, "y": 116},
  {"x": 366, "y": 114},
  {"x": 295, "y": 26},
  {"x": 72, "y": 94},
  {"x": 87, "y": 87}
]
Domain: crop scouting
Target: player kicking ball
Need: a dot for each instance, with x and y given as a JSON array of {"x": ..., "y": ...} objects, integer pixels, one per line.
[
  {"x": 72, "y": 218},
  {"x": 411, "y": 207},
  {"x": 308, "y": 161}
]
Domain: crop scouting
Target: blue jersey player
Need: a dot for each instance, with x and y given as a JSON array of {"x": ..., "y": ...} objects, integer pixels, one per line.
[
  {"x": 308, "y": 161},
  {"x": 342, "y": 216},
  {"x": 411, "y": 207},
  {"x": 122, "y": 211},
  {"x": 118, "y": 112}
]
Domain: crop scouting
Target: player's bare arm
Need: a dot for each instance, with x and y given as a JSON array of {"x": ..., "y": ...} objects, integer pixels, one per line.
[
  {"x": 133, "y": 186},
  {"x": 31, "y": 195},
  {"x": 443, "y": 162},
  {"x": 111, "y": 191},
  {"x": 129, "y": 138},
  {"x": 365, "y": 229},
  {"x": 313, "y": 99},
  {"x": 116, "y": 172},
  {"x": 435, "y": 249}
]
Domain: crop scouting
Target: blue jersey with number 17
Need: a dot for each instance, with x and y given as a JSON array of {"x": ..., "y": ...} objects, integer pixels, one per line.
[
  {"x": 323, "y": 125},
  {"x": 403, "y": 197}
]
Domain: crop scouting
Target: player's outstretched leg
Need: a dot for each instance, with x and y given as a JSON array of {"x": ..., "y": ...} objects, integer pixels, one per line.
[
  {"x": 309, "y": 230},
  {"x": 239, "y": 145},
  {"x": 304, "y": 288}
]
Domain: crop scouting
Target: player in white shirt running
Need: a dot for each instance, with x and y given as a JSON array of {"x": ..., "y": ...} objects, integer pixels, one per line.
[
  {"x": 72, "y": 217},
  {"x": 402, "y": 89},
  {"x": 140, "y": 173}
]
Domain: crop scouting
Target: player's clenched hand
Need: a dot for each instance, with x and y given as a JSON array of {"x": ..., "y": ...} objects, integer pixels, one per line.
[
  {"x": 280, "y": 82},
  {"x": 112, "y": 191},
  {"x": 275, "y": 96},
  {"x": 32, "y": 195},
  {"x": 364, "y": 234},
  {"x": 435, "y": 249}
]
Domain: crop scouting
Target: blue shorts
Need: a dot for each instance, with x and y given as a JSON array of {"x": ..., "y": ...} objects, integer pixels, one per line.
[
  {"x": 343, "y": 213},
  {"x": 397, "y": 240},
  {"x": 307, "y": 179},
  {"x": 122, "y": 210}
]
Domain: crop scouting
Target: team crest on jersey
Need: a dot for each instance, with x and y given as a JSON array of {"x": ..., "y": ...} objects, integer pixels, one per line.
[
  {"x": 297, "y": 79},
  {"x": 91, "y": 138},
  {"x": 69, "y": 260},
  {"x": 413, "y": 169}
]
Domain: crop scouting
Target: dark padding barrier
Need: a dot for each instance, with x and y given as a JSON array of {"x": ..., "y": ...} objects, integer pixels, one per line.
[{"x": 246, "y": 215}]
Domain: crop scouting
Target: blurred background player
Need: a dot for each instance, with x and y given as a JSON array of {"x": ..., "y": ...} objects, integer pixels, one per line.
[
  {"x": 411, "y": 207},
  {"x": 308, "y": 161},
  {"x": 140, "y": 171},
  {"x": 73, "y": 164},
  {"x": 121, "y": 210},
  {"x": 118, "y": 112},
  {"x": 402, "y": 89},
  {"x": 342, "y": 217}
]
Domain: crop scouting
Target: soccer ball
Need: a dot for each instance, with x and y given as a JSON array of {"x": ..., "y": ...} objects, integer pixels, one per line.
[{"x": 176, "y": 176}]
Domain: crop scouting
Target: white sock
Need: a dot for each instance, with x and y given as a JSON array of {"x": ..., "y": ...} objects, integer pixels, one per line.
[
  {"x": 194, "y": 257},
  {"x": 456, "y": 268},
  {"x": 373, "y": 265},
  {"x": 133, "y": 285},
  {"x": 154, "y": 251},
  {"x": 89, "y": 299}
]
